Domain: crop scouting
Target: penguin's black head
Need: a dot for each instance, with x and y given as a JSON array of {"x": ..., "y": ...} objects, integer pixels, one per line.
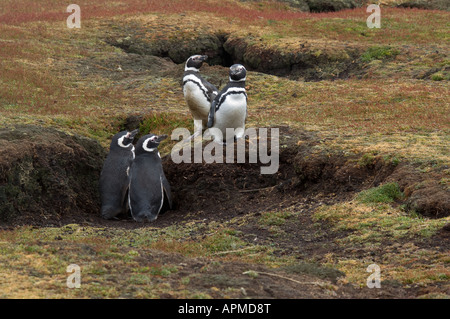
[
  {"x": 124, "y": 139},
  {"x": 195, "y": 62},
  {"x": 150, "y": 142},
  {"x": 238, "y": 73}
]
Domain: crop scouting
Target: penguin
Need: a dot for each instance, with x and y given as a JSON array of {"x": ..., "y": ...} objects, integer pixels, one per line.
[
  {"x": 229, "y": 107},
  {"x": 149, "y": 188},
  {"x": 198, "y": 93},
  {"x": 114, "y": 177}
]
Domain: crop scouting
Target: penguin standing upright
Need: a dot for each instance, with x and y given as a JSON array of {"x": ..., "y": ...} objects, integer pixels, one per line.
[
  {"x": 149, "y": 188},
  {"x": 229, "y": 107},
  {"x": 114, "y": 178},
  {"x": 198, "y": 92}
]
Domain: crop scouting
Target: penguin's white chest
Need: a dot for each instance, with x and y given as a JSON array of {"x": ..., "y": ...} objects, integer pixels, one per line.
[
  {"x": 232, "y": 111},
  {"x": 231, "y": 114},
  {"x": 196, "y": 100}
]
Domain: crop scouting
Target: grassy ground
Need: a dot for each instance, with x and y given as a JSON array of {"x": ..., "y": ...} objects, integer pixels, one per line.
[{"x": 74, "y": 80}]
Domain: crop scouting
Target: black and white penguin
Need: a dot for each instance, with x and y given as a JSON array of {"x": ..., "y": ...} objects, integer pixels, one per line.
[
  {"x": 229, "y": 107},
  {"x": 198, "y": 92},
  {"x": 149, "y": 188},
  {"x": 114, "y": 178}
]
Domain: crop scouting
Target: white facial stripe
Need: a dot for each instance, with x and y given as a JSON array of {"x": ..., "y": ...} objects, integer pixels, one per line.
[
  {"x": 120, "y": 142},
  {"x": 148, "y": 149}
]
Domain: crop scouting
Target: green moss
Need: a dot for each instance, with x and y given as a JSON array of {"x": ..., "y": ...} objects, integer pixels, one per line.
[
  {"x": 386, "y": 193},
  {"x": 379, "y": 53}
]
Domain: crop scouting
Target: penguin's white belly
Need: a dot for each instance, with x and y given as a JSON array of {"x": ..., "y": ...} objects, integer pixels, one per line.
[
  {"x": 231, "y": 114},
  {"x": 197, "y": 102}
]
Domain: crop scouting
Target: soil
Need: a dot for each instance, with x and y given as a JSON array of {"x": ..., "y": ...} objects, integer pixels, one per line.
[
  {"x": 46, "y": 174},
  {"x": 307, "y": 178}
]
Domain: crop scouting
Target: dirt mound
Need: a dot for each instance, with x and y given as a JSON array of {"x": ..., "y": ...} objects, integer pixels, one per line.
[
  {"x": 331, "y": 171},
  {"x": 129, "y": 38},
  {"x": 221, "y": 191},
  {"x": 424, "y": 193},
  {"x": 46, "y": 174},
  {"x": 307, "y": 61}
]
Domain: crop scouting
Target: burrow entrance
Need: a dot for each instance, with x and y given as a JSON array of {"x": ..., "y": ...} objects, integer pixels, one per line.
[{"x": 40, "y": 186}]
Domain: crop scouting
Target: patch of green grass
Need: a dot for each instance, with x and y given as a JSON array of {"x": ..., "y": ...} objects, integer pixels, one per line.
[
  {"x": 375, "y": 222},
  {"x": 163, "y": 271},
  {"x": 392, "y": 159},
  {"x": 438, "y": 76},
  {"x": 221, "y": 242},
  {"x": 275, "y": 218},
  {"x": 158, "y": 123},
  {"x": 379, "y": 53},
  {"x": 386, "y": 193},
  {"x": 366, "y": 160}
]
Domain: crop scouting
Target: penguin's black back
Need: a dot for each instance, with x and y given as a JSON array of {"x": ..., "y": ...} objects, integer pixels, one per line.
[{"x": 114, "y": 181}]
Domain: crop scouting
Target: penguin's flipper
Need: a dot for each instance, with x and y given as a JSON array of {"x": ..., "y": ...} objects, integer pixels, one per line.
[
  {"x": 167, "y": 192},
  {"x": 212, "y": 90},
  {"x": 211, "y": 114}
]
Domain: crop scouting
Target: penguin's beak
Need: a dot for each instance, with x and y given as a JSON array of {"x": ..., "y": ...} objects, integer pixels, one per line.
[
  {"x": 161, "y": 138},
  {"x": 203, "y": 58},
  {"x": 132, "y": 134}
]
